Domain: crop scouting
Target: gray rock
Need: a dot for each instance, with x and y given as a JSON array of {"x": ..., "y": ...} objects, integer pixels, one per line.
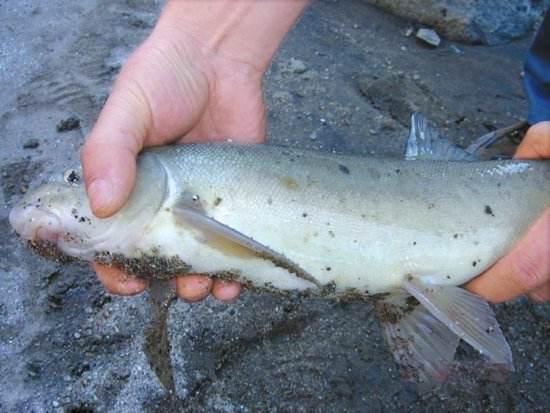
[
  {"x": 428, "y": 36},
  {"x": 31, "y": 143},
  {"x": 471, "y": 21},
  {"x": 297, "y": 66}
]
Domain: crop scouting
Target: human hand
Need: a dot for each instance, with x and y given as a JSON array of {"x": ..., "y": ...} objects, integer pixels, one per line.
[
  {"x": 172, "y": 88},
  {"x": 525, "y": 269}
]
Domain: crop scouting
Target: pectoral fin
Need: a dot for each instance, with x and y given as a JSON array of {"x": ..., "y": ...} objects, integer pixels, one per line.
[
  {"x": 222, "y": 236},
  {"x": 424, "y": 323}
]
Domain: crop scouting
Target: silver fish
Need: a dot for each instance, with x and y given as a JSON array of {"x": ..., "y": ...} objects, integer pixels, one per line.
[{"x": 409, "y": 232}]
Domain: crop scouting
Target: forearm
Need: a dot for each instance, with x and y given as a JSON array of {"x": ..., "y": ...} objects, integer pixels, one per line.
[{"x": 246, "y": 30}]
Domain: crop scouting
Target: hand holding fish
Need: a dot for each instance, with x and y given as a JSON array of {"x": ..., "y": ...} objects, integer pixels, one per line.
[
  {"x": 525, "y": 269},
  {"x": 178, "y": 86}
]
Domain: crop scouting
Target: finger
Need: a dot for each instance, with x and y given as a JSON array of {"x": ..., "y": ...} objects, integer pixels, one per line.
[
  {"x": 193, "y": 287},
  {"x": 117, "y": 282},
  {"x": 541, "y": 294},
  {"x": 109, "y": 154},
  {"x": 226, "y": 291},
  {"x": 536, "y": 143},
  {"x": 525, "y": 268}
]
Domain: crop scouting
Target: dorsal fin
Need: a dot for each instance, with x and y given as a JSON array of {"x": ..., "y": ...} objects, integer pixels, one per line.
[{"x": 425, "y": 143}]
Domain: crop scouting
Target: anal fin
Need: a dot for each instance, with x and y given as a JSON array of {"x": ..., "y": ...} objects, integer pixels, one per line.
[
  {"x": 423, "y": 347},
  {"x": 467, "y": 315},
  {"x": 424, "y": 323}
]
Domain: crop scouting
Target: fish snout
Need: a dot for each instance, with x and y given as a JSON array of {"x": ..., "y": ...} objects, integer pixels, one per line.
[{"x": 34, "y": 224}]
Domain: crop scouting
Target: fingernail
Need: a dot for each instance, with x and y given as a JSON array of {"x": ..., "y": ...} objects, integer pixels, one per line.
[
  {"x": 132, "y": 286},
  {"x": 100, "y": 193},
  {"x": 226, "y": 291}
]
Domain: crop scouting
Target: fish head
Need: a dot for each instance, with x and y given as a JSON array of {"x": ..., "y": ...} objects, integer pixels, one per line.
[{"x": 58, "y": 214}]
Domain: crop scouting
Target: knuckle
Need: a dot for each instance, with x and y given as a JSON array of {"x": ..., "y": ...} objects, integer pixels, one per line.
[{"x": 530, "y": 273}]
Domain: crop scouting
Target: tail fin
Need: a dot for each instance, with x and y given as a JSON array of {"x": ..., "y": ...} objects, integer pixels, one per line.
[{"x": 424, "y": 323}]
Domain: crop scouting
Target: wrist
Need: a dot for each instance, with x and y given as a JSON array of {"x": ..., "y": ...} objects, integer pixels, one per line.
[{"x": 242, "y": 30}]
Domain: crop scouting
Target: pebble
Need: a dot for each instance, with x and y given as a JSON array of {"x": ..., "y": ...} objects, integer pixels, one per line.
[
  {"x": 455, "y": 49},
  {"x": 68, "y": 124},
  {"x": 428, "y": 36},
  {"x": 297, "y": 66},
  {"x": 282, "y": 96},
  {"x": 31, "y": 144}
]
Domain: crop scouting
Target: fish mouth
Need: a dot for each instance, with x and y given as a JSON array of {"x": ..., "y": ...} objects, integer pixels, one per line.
[{"x": 34, "y": 224}]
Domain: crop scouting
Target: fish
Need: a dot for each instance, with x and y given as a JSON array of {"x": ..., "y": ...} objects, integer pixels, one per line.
[{"x": 407, "y": 233}]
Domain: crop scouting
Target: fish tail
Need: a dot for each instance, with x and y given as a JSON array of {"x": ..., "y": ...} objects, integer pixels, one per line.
[{"x": 423, "y": 324}]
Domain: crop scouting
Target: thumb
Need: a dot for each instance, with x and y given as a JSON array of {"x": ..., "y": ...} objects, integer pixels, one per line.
[
  {"x": 524, "y": 269},
  {"x": 536, "y": 143},
  {"x": 109, "y": 153}
]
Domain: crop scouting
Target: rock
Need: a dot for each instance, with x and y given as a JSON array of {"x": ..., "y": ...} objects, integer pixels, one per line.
[
  {"x": 428, "y": 36},
  {"x": 471, "y": 21},
  {"x": 297, "y": 66},
  {"x": 31, "y": 144},
  {"x": 282, "y": 96},
  {"x": 71, "y": 123},
  {"x": 455, "y": 49}
]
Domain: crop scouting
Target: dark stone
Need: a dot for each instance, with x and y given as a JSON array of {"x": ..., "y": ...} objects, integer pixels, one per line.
[
  {"x": 31, "y": 144},
  {"x": 71, "y": 123}
]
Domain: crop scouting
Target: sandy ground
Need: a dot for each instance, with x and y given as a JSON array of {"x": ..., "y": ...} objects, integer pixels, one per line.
[{"x": 67, "y": 346}]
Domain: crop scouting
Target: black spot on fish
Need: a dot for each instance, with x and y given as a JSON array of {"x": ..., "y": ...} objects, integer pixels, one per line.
[
  {"x": 217, "y": 201},
  {"x": 398, "y": 171},
  {"x": 448, "y": 277},
  {"x": 489, "y": 210},
  {"x": 343, "y": 168},
  {"x": 411, "y": 301},
  {"x": 431, "y": 206},
  {"x": 474, "y": 263},
  {"x": 304, "y": 214},
  {"x": 269, "y": 201},
  {"x": 328, "y": 268},
  {"x": 455, "y": 236},
  {"x": 331, "y": 234}
]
